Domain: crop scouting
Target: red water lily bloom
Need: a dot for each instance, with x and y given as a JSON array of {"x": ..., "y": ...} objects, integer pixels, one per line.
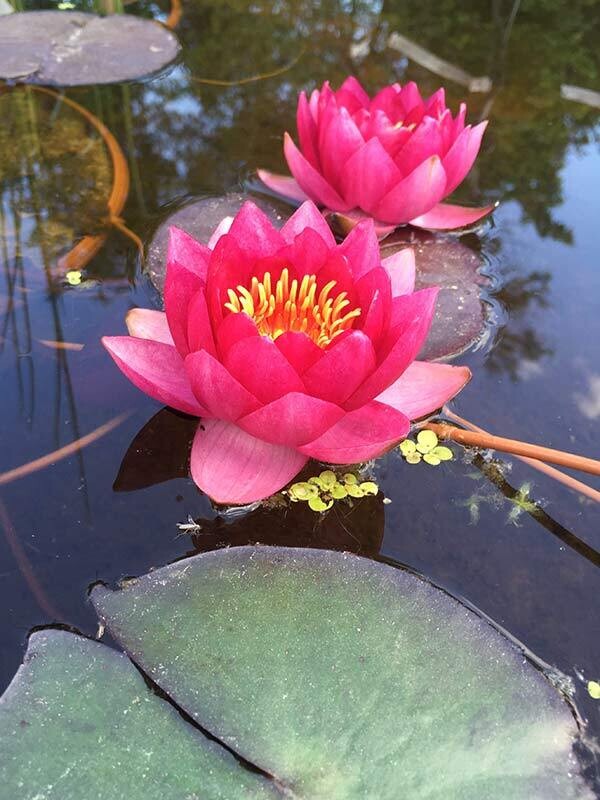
[
  {"x": 288, "y": 346},
  {"x": 393, "y": 158}
]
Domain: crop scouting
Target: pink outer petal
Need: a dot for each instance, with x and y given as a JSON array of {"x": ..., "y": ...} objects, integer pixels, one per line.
[
  {"x": 144, "y": 323},
  {"x": 352, "y": 95},
  {"x": 254, "y": 233},
  {"x": 292, "y": 420},
  {"x": 233, "y": 467},
  {"x": 184, "y": 250},
  {"x": 216, "y": 389},
  {"x": 401, "y": 269},
  {"x": 282, "y": 185},
  {"x": 310, "y": 181},
  {"x": 425, "y": 387},
  {"x": 221, "y": 229},
  {"x": 342, "y": 368},
  {"x": 307, "y": 216},
  {"x": 367, "y": 176},
  {"x": 460, "y": 157},
  {"x": 339, "y": 139},
  {"x": 200, "y": 335},
  {"x": 415, "y": 194},
  {"x": 299, "y": 350},
  {"x": 180, "y": 287},
  {"x": 361, "y": 248},
  {"x": 413, "y": 315},
  {"x": 359, "y": 436},
  {"x": 425, "y": 142},
  {"x": 259, "y": 365},
  {"x": 155, "y": 368},
  {"x": 307, "y": 131},
  {"x": 445, "y": 217}
]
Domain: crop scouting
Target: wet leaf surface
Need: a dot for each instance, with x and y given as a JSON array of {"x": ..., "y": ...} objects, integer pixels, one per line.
[
  {"x": 460, "y": 318},
  {"x": 200, "y": 218},
  {"x": 58, "y": 48},
  {"x": 78, "y": 722},
  {"x": 346, "y": 678}
]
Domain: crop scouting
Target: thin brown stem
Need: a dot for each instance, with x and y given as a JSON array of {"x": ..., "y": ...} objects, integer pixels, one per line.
[{"x": 253, "y": 78}]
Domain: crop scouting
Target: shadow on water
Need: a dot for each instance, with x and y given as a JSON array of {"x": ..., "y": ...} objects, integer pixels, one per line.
[{"x": 513, "y": 543}]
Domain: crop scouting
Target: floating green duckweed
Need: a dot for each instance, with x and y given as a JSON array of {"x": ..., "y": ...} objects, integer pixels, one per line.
[
  {"x": 73, "y": 277},
  {"x": 321, "y": 491},
  {"x": 593, "y": 688},
  {"x": 426, "y": 449}
]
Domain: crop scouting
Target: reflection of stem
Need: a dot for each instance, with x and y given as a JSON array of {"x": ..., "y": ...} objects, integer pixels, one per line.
[
  {"x": 87, "y": 248},
  {"x": 567, "y": 480},
  {"x": 130, "y": 139},
  {"x": 253, "y": 79},
  {"x": 538, "y": 514},
  {"x": 25, "y": 567},
  {"x": 174, "y": 15},
  {"x": 62, "y": 452}
]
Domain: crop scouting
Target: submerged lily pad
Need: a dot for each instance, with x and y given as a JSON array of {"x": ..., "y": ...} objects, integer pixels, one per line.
[
  {"x": 60, "y": 48},
  {"x": 78, "y": 722},
  {"x": 200, "y": 218},
  {"x": 346, "y": 678},
  {"x": 460, "y": 318}
]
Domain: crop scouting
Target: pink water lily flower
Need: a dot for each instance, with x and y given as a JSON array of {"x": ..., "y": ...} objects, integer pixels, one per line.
[
  {"x": 393, "y": 157},
  {"x": 288, "y": 346}
]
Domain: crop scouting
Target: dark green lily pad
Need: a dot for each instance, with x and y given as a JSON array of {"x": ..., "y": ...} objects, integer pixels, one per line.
[
  {"x": 460, "y": 319},
  {"x": 346, "y": 678},
  {"x": 59, "y": 48},
  {"x": 200, "y": 218},
  {"x": 78, "y": 722}
]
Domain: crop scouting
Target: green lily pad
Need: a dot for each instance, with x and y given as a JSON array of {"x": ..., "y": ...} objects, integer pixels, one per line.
[
  {"x": 60, "y": 48},
  {"x": 460, "y": 318},
  {"x": 78, "y": 722},
  {"x": 346, "y": 678}
]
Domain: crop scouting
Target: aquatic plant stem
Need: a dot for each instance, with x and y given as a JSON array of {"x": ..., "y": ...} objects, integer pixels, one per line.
[
  {"x": 62, "y": 452},
  {"x": 174, "y": 15},
  {"x": 253, "y": 78},
  {"x": 536, "y": 463}
]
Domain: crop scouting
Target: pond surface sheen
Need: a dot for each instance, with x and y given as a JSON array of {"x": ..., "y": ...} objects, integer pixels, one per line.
[{"x": 537, "y": 377}]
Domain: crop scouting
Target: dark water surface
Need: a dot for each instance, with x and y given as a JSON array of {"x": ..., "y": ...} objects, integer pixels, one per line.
[{"x": 537, "y": 377}]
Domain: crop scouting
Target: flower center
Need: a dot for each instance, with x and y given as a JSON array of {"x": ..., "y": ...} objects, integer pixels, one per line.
[{"x": 294, "y": 306}]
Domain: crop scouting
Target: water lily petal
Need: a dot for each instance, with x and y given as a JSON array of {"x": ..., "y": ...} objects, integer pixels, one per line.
[
  {"x": 216, "y": 389},
  {"x": 307, "y": 131},
  {"x": 422, "y": 189},
  {"x": 374, "y": 297},
  {"x": 156, "y": 369},
  {"x": 425, "y": 142},
  {"x": 351, "y": 95},
  {"x": 199, "y": 333},
  {"x": 359, "y": 436},
  {"x": 401, "y": 269},
  {"x": 311, "y": 181},
  {"x": 367, "y": 176},
  {"x": 221, "y": 229},
  {"x": 299, "y": 350},
  {"x": 292, "y": 420},
  {"x": 261, "y": 367},
  {"x": 339, "y": 139},
  {"x": 181, "y": 285},
  {"x": 307, "y": 216},
  {"x": 424, "y": 387},
  {"x": 254, "y": 232},
  {"x": 145, "y": 323},
  {"x": 361, "y": 248},
  {"x": 231, "y": 466},
  {"x": 413, "y": 319},
  {"x": 445, "y": 216},
  {"x": 460, "y": 157},
  {"x": 306, "y": 254},
  {"x": 232, "y": 328},
  {"x": 342, "y": 368},
  {"x": 282, "y": 185},
  {"x": 410, "y": 97},
  {"x": 184, "y": 250}
]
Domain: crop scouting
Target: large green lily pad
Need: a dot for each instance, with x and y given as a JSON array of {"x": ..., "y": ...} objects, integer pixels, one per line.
[
  {"x": 78, "y": 722},
  {"x": 346, "y": 678},
  {"x": 61, "y": 48}
]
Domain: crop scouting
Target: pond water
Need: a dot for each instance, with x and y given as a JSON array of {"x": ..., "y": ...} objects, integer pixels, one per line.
[{"x": 536, "y": 375}]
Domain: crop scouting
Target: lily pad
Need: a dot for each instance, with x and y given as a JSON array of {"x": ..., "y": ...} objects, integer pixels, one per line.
[
  {"x": 78, "y": 722},
  {"x": 460, "y": 318},
  {"x": 200, "y": 218},
  {"x": 347, "y": 678},
  {"x": 60, "y": 48}
]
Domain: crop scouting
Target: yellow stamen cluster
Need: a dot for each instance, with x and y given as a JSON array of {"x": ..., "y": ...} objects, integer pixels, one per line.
[{"x": 294, "y": 306}]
